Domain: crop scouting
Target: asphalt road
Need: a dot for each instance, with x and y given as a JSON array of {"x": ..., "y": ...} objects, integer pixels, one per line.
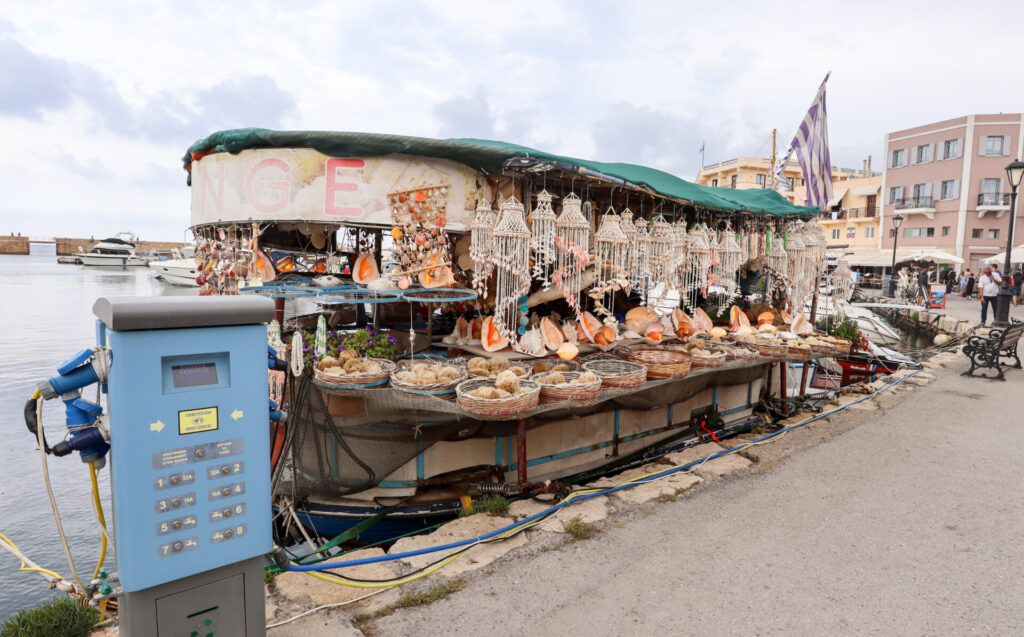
[{"x": 908, "y": 524}]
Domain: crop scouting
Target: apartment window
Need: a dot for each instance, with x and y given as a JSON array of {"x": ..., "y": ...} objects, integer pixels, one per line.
[
  {"x": 835, "y": 233},
  {"x": 993, "y": 234},
  {"x": 869, "y": 232},
  {"x": 899, "y": 158},
  {"x": 714, "y": 183},
  {"x": 851, "y": 233},
  {"x": 895, "y": 194},
  {"x": 923, "y": 194},
  {"x": 945, "y": 231},
  {"x": 949, "y": 189},
  {"x": 761, "y": 180},
  {"x": 923, "y": 154},
  {"x": 993, "y": 145},
  {"x": 732, "y": 181},
  {"x": 918, "y": 232},
  {"x": 990, "y": 185},
  {"x": 976, "y": 233},
  {"x": 952, "y": 148}
]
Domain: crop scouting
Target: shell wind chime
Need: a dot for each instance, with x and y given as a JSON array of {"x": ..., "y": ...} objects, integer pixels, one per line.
[
  {"x": 776, "y": 262},
  {"x": 682, "y": 253},
  {"x": 572, "y": 249},
  {"x": 842, "y": 285},
  {"x": 512, "y": 267},
  {"x": 640, "y": 265},
  {"x": 421, "y": 242},
  {"x": 814, "y": 239},
  {"x": 699, "y": 257},
  {"x": 481, "y": 248},
  {"x": 662, "y": 254},
  {"x": 630, "y": 232},
  {"x": 542, "y": 241},
  {"x": 730, "y": 258},
  {"x": 797, "y": 272},
  {"x": 610, "y": 247}
]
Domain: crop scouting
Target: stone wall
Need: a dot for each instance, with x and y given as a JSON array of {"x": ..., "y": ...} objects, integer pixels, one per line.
[{"x": 13, "y": 245}]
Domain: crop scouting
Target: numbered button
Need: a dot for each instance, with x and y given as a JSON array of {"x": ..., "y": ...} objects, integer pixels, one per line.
[
  {"x": 178, "y": 524},
  {"x": 229, "y": 533},
  {"x": 181, "y": 479},
  {"x": 177, "y": 547},
  {"x": 227, "y": 491},
  {"x": 224, "y": 470},
  {"x": 174, "y": 503},
  {"x": 225, "y": 513}
]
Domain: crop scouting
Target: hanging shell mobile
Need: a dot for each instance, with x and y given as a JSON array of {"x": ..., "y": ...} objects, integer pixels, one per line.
[
  {"x": 542, "y": 240},
  {"x": 730, "y": 258},
  {"x": 572, "y": 245},
  {"x": 512, "y": 266},
  {"x": 640, "y": 270},
  {"x": 482, "y": 246},
  {"x": 629, "y": 230}
]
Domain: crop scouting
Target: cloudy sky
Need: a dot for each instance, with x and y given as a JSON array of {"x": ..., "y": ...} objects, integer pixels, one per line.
[{"x": 99, "y": 100}]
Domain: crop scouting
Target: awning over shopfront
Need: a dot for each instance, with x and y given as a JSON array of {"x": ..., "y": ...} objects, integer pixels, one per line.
[
  {"x": 837, "y": 196},
  {"x": 1016, "y": 256},
  {"x": 883, "y": 258},
  {"x": 865, "y": 191}
]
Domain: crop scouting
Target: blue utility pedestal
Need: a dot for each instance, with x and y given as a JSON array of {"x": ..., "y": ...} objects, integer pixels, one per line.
[{"x": 190, "y": 461}]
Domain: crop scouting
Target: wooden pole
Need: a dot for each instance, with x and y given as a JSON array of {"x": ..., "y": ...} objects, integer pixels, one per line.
[
  {"x": 814, "y": 314},
  {"x": 521, "y": 456},
  {"x": 782, "y": 387}
]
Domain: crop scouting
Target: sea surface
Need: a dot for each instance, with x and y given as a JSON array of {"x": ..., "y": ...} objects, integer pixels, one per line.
[{"x": 46, "y": 316}]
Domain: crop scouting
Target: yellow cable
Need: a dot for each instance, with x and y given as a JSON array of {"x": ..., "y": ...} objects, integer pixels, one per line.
[
  {"x": 36, "y": 394},
  {"x": 28, "y": 568},
  {"x": 99, "y": 516}
]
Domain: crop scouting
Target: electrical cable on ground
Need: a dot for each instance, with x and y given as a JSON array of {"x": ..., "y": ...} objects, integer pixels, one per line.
[
  {"x": 324, "y": 607},
  {"x": 575, "y": 496}
]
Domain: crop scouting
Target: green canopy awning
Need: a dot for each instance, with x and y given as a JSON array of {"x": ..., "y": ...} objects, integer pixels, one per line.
[{"x": 489, "y": 157}]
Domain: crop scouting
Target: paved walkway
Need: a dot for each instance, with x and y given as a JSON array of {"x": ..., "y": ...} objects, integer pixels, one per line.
[{"x": 908, "y": 524}]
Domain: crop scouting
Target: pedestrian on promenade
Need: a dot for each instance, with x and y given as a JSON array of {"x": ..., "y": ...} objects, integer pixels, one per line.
[
  {"x": 969, "y": 290},
  {"x": 1018, "y": 277},
  {"x": 950, "y": 280},
  {"x": 922, "y": 285},
  {"x": 989, "y": 292}
]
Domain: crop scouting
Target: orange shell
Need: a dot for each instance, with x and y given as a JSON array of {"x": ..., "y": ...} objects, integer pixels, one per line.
[
  {"x": 365, "y": 269},
  {"x": 737, "y": 319},
  {"x": 588, "y": 327},
  {"x": 396, "y": 233},
  {"x": 608, "y": 332},
  {"x": 765, "y": 318},
  {"x": 492, "y": 340},
  {"x": 551, "y": 334}
]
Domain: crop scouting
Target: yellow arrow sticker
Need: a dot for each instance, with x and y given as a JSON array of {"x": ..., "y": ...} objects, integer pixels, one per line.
[
  {"x": 157, "y": 426},
  {"x": 237, "y": 414}
]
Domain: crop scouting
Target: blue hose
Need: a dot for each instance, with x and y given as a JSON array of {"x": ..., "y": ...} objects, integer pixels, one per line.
[{"x": 325, "y": 566}]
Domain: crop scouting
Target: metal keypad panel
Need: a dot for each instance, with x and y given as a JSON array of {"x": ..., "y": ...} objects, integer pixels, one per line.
[{"x": 198, "y": 453}]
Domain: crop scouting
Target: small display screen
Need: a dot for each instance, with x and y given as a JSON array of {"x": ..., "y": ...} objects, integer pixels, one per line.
[{"x": 194, "y": 375}]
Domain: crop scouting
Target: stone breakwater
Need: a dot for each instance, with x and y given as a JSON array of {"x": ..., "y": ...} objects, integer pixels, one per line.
[
  {"x": 70, "y": 246},
  {"x": 13, "y": 245}
]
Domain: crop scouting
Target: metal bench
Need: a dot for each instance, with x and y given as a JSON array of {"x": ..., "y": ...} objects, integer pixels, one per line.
[{"x": 985, "y": 351}]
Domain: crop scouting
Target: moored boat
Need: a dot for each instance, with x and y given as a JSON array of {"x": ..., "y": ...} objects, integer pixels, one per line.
[{"x": 117, "y": 251}]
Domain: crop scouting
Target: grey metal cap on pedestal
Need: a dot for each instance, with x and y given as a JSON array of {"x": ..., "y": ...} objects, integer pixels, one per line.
[{"x": 130, "y": 313}]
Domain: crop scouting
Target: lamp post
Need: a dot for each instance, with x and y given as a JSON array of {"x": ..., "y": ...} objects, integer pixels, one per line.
[
  {"x": 1014, "y": 172},
  {"x": 897, "y": 221}
]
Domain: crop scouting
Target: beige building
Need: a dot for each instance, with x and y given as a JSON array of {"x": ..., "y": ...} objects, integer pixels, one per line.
[
  {"x": 852, "y": 216},
  {"x": 756, "y": 172}
]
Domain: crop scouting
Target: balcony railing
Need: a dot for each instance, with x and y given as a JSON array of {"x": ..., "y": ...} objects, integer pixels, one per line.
[
  {"x": 914, "y": 202},
  {"x": 863, "y": 213},
  {"x": 994, "y": 199}
]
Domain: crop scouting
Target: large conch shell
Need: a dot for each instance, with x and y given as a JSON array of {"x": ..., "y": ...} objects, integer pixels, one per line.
[
  {"x": 787, "y": 318},
  {"x": 703, "y": 321},
  {"x": 801, "y": 326},
  {"x": 570, "y": 332},
  {"x": 765, "y": 318},
  {"x": 490, "y": 338},
  {"x": 655, "y": 331},
  {"x": 738, "y": 321},
  {"x": 461, "y": 335},
  {"x": 551, "y": 334},
  {"x": 605, "y": 335},
  {"x": 532, "y": 343},
  {"x": 639, "y": 318},
  {"x": 587, "y": 328},
  {"x": 263, "y": 268},
  {"x": 683, "y": 325},
  {"x": 365, "y": 269}
]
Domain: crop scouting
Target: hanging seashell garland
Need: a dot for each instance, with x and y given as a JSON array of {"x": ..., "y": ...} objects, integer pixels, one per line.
[
  {"x": 298, "y": 357},
  {"x": 610, "y": 254},
  {"x": 776, "y": 262},
  {"x": 481, "y": 246},
  {"x": 663, "y": 255},
  {"x": 629, "y": 230},
  {"x": 542, "y": 240},
  {"x": 730, "y": 258},
  {"x": 512, "y": 268},
  {"x": 681, "y": 253},
  {"x": 797, "y": 271},
  {"x": 699, "y": 258},
  {"x": 320, "y": 343},
  {"x": 842, "y": 283},
  {"x": 421, "y": 241},
  {"x": 640, "y": 268},
  {"x": 572, "y": 245}
]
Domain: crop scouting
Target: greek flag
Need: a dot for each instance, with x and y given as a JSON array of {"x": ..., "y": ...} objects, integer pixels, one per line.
[{"x": 811, "y": 147}]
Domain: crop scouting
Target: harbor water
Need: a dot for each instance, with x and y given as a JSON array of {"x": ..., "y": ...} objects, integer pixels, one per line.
[{"x": 47, "y": 310}]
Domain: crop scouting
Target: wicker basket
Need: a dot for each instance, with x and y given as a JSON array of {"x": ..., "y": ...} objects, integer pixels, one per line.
[
  {"x": 821, "y": 350},
  {"x": 842, "y": 346},
  {"x": 778, "y": 350},
  {"x": 717, "y": 359},
  {"x": 661, "y": 363},
  {"x": 553, "y": 361},
  {"x": 567, "y": 391},
  {"x": 447, "y": 387},
  {"x": 615, "y": 372},
  {"x": 799, "y": 353},
  {"x": 496, "y": 406},
  {"x": 735, "y": 351},
  {"x": 356, "y": 381},
  {"x": 526, "y": 365}
]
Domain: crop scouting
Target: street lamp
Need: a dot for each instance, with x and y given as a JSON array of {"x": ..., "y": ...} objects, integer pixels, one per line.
[
  {"x": 897, "y": 221},
  {"x": 1014, "y": 172}
]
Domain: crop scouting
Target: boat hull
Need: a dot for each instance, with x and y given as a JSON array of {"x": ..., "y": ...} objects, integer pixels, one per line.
[
  {"x": 113, "y": 260},
  {"x": 176, "y": 272}
]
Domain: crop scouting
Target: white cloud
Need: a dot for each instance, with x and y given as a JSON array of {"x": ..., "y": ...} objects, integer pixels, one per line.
[{"x": 106, "y": 96}]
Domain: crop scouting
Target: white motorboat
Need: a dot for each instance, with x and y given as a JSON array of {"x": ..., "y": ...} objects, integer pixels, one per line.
[
  {"x": 118, "y": 251},
  {"x": 179, "y": 270}
]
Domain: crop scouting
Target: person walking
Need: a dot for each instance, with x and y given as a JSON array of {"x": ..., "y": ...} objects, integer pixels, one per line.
[
  {"x": 922, "y": 286},
  {"x": 950, "y": 280},
  {"x": 988, "y": 286},
  {"x": 969, "y": 290},
  {"x": 1015, "y": 285}
]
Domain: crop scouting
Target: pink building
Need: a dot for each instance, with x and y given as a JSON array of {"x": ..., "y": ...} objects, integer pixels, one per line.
[{"x": 948, "y": 182}]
